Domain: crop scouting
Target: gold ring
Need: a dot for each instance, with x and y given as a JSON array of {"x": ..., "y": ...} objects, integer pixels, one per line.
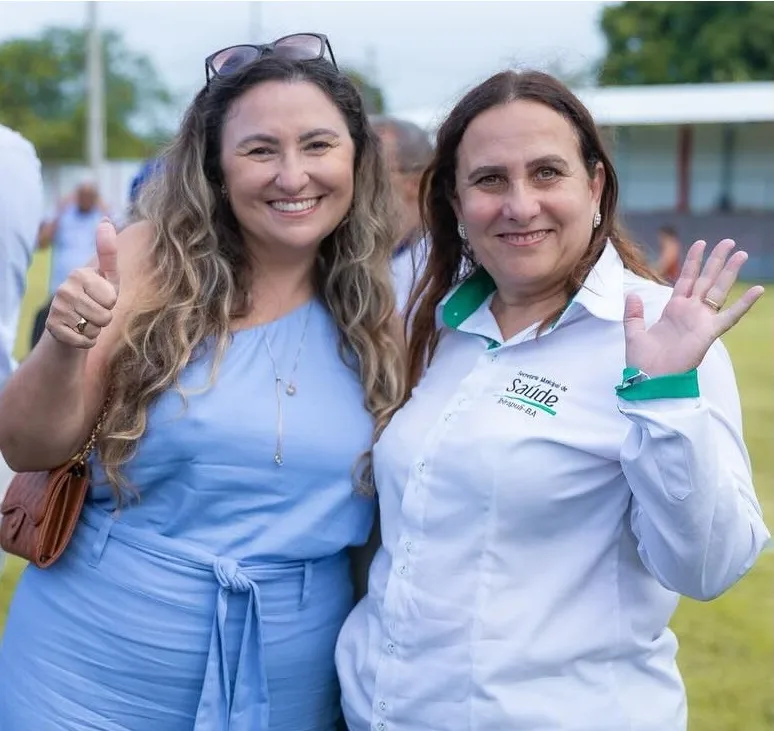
[
  {"x": 80, "y": 326},
  {"x": 711, "y": 303}
]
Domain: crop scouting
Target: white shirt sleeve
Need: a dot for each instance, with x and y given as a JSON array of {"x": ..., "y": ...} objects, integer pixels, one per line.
[
  {"x": 21, "y": 211},
  {"x": 694, "y": 511}
]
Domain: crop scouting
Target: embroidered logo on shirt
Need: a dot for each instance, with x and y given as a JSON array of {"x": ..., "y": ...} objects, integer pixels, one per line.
[{"x": 532, "y": 394}]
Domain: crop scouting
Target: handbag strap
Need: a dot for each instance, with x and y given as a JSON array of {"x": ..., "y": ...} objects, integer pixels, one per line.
[{"x": 81, "y": 457}]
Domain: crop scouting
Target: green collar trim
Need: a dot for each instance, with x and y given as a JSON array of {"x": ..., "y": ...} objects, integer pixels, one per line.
[{"x": 467, "y": 298}]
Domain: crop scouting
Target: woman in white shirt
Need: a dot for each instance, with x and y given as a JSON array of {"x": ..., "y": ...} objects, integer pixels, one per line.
[{"x": 541, "y": 513}]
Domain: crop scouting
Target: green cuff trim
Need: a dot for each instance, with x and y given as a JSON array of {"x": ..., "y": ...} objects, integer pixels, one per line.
[{"x": 678, "y": 385}]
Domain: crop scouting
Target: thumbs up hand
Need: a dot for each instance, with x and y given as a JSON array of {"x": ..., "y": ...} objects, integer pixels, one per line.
[
  {"x": 107, "y": 253},
  {"x": 83, "y": 305}
]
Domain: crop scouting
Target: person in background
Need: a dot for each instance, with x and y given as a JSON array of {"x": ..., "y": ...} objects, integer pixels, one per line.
[
  {"x": 21, "y": 213},
  {"x": 408, "y": 152},
  {"x": 209, "y": 575},
  {"x": 70, "y": 235},
  {"x": 670, "y": 252},
  {"x": 72, "y": 231},
  {"x": 570, "y": 460}
]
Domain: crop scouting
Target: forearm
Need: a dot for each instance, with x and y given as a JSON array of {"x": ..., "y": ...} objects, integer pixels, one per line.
[
  {"x": 695, "y": 513},
  {"x": 45, "y": 407}
]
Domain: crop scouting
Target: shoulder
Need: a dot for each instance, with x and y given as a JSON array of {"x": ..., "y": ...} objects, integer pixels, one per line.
[
  {"x": 136, "y": 263},
  {"x": 12, "y": 143},
  {"x": 135, "y": 244},
  {"x": 19, "y": 164}
]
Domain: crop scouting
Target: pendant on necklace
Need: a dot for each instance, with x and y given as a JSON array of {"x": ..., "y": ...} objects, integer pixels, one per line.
[{"x": 290, "y": 390}]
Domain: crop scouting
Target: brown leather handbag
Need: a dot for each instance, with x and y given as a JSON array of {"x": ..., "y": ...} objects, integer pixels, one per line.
[{"x": 41, "y": 509}]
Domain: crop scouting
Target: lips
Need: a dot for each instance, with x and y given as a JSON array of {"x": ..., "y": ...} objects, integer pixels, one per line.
[
  {"x": 526, "y": 238},
  {"x": 295, "y": 206}
]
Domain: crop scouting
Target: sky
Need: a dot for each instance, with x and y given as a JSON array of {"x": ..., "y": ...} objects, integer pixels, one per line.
[{"x": 423, "y": 54}]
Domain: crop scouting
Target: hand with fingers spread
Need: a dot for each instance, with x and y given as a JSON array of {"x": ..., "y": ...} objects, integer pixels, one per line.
[
  {"x": 83, "y": 304},
  {"x": 694, "y": 316}
]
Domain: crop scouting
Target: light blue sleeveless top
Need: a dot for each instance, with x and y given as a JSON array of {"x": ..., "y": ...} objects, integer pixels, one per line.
[
  {"x": 226, "y": 584},
  {"x": 205, "y": 471}
]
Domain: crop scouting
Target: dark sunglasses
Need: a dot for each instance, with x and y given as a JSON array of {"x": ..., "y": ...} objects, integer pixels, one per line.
[{"x": 296, "y": 47}]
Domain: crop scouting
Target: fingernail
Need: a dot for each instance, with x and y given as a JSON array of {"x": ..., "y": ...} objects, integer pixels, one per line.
[{"x": 105, "y": 219}]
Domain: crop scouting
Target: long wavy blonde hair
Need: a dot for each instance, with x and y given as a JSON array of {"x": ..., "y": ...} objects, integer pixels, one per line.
[{"x": 202, "y": 276}]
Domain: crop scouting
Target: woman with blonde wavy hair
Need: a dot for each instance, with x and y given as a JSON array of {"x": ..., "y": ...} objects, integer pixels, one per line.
[{"x": 241, "y": 338}]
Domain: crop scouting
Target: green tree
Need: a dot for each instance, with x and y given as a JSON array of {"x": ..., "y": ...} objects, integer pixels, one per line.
[
  {"x": 43, "y": 95},
  {"x": 372, "y": 94},
  {"x": 688, "y": 42}
]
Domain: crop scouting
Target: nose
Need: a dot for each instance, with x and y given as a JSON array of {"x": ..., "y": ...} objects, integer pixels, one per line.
[
  {"x": 292, "y": 177},
  {"x": 522, "y": 204}
]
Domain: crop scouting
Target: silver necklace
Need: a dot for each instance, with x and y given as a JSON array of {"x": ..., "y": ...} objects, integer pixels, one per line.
[{"x": 290, "y": 386}]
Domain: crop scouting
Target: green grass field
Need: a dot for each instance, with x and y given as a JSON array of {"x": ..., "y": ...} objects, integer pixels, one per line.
[{"x": 727, "y": 646}]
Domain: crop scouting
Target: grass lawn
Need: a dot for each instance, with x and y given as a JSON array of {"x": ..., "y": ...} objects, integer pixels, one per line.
[{"x": 726, "y": 646}]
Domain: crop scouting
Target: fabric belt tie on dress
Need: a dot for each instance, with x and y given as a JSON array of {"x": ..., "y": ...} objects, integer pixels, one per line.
[{"x": 244, "y": 707}]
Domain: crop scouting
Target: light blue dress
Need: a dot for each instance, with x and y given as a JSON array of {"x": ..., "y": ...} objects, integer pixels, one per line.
[{"x": 213, "y": 603}]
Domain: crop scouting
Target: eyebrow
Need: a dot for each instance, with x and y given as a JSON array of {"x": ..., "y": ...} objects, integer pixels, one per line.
[
  {"x": 485, "y": 170},
  {"x": 320, "y": 131},
  {"x": 555, "y": 160}
]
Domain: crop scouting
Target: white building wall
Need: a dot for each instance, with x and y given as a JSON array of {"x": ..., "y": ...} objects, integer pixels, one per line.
[
  {"x": 752, "y": 172},
  {"x": 706, "y": 168},
  {"x": 646, "y": 163}
]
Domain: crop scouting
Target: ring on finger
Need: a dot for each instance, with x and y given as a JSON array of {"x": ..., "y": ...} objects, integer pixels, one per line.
[
  {"x": 711, "y": 304},
  {"x": 80, "y": 326}
]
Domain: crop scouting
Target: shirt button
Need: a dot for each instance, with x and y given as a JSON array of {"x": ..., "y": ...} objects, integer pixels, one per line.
[
  {"x": 447, "y": 417},
  {"x": 390, "y": 648},
  {"x": 402, "y": 570},
  {"x": 382, "y": 706},
  {"x": 421, "y": 466},
  {"x": 409, "y": 545},
  {"x": 380, "y": 726}
]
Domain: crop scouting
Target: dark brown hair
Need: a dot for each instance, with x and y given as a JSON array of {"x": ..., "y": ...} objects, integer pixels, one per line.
[{"x": 450, "y": 257}]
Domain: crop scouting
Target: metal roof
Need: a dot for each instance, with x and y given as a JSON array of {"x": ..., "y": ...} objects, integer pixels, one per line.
[{"x": 668, "y": 104}]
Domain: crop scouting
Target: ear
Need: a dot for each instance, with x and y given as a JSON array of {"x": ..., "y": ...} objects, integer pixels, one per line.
[{"x": 597, "y": 183}]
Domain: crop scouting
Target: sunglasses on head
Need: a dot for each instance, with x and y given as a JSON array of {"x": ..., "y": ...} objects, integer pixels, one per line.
[{"x": 296, "y": 47}]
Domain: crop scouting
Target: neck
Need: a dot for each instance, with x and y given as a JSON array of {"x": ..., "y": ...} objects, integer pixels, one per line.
[
  {"x": 279, "y": 286},
  {"x": 516, "y": 310}
]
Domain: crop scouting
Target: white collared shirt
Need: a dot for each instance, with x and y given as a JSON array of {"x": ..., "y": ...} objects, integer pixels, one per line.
[
  {"x": 21, "y": 212},
  {"x": 538, "y": 528}
]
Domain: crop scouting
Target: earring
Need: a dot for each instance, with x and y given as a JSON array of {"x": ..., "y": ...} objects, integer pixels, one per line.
[
  {"x": 462, "y": 231},
  {"x": 223, "y": 190},
  {"x": 597, "y": 219}
]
